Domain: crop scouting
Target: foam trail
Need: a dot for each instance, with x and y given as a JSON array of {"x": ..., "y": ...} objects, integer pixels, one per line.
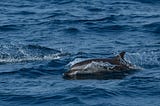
[
  {"x": 14, "y": 60},
  {"x": 22, "y": 53}
]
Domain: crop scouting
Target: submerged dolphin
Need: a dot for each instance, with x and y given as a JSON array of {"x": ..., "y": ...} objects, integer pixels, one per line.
[{"x": 107, "y": 68}]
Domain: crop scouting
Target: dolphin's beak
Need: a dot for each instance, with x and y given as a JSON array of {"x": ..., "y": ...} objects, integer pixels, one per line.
[{"x": 66, "y": 75}]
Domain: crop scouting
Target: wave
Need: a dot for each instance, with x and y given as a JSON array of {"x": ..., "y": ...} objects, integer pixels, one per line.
[
  {"x": 91, "y": 92},
  {"x": 9, "y": 27},
  {"x": 112, "y": 28},
  {"x": 62, "y": 2},
  {"x": 94, "y": 9},
  {"x": 35, "y": 72},
  {"x": 24, "y": 72},
  {"x": 23, "y": 13},
  {"x": 76, "y": 19},
  {"x": 152, "y": 27},
  {"x": 148, "y": 1},
  {"x": 71, "y": 30}
]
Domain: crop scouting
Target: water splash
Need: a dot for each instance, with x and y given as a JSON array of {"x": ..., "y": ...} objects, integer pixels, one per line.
[{"x": 144, "y": 59}]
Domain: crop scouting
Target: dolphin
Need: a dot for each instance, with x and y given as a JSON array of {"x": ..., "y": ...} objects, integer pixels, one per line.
[{"x": 106, "y": 68}]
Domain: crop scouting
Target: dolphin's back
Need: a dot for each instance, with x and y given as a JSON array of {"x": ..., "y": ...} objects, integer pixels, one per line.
[
  {"x": 89, "y": 61},
  {"x": 115, "y": 60}
]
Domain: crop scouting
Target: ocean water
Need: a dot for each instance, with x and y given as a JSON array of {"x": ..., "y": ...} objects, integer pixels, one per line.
[{"x": 39, "y": 39}]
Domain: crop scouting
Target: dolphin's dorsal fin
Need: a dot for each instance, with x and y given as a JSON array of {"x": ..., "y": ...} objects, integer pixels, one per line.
[{"x": 122, "y": 54}]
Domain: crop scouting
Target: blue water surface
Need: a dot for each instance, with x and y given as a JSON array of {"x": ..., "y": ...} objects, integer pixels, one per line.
[{"x": 39, "y": 39}]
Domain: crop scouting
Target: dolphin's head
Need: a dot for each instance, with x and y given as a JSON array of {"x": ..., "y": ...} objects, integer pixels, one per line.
[{"x": 70, "y": 74}]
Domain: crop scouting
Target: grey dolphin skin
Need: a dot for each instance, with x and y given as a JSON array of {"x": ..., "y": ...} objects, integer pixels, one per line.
[{"x": 107, "y": 68}]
